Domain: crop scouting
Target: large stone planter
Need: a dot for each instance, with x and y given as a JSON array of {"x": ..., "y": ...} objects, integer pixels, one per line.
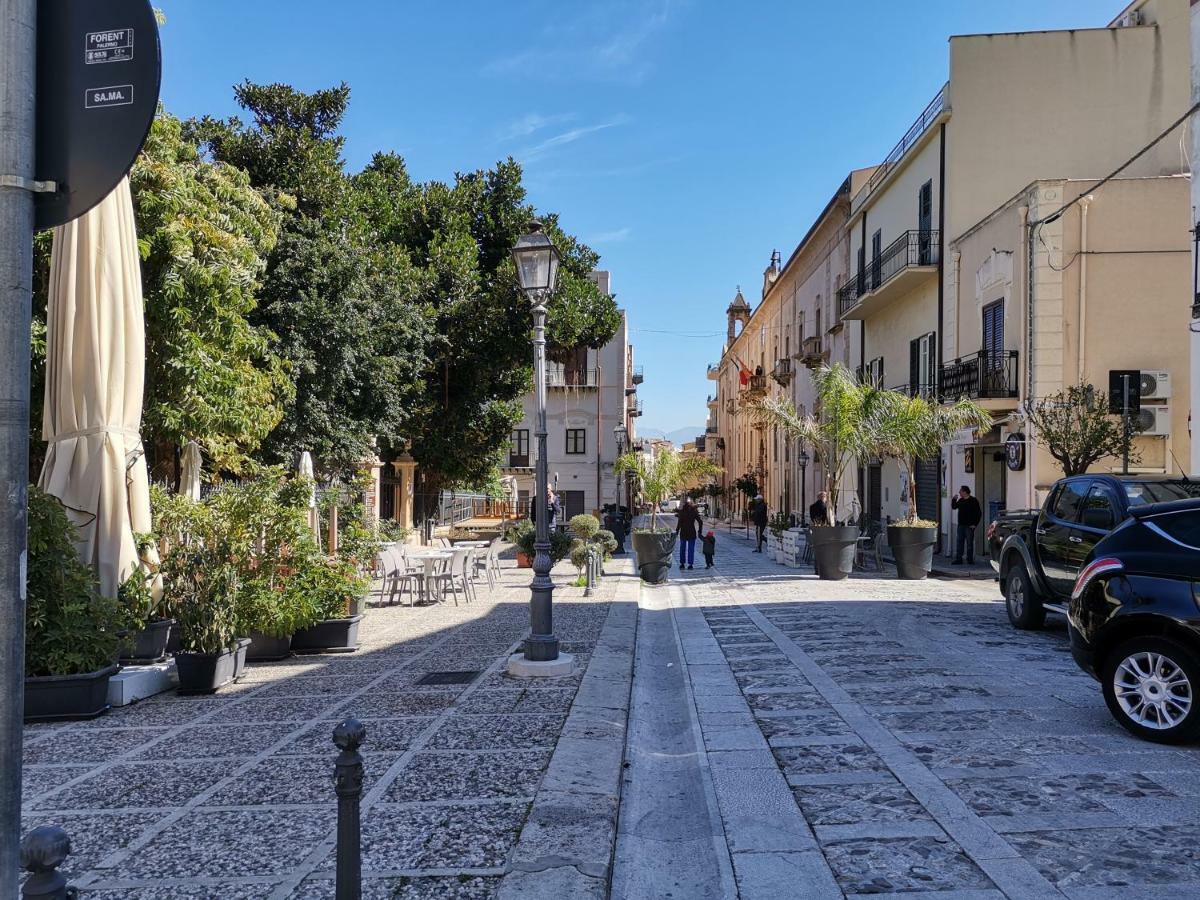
[
  {"x": 654, "y": 550},
  {"x": 912, "y": 548},
  {"x": 833, "y": 551}
]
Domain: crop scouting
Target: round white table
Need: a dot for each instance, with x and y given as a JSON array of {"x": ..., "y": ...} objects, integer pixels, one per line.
[{"x": 429, "y": 558}]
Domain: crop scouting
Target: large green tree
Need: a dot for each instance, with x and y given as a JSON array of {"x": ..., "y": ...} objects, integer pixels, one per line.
[
  {"x": 480, "y": 359},
  {"x": 348, "y": 310},
  {"x": 203, "y": 234}
]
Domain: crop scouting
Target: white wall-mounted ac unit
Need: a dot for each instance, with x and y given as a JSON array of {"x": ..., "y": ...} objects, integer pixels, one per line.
[
  {"x": 1155, "y": 384},
  {"x": 1153, "y": 421},
  {"x": 1130, "y": 19}
]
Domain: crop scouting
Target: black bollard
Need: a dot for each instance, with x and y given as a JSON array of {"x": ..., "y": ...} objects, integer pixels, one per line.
[
  {"x": 348, "y": 780},
  {"x": 42, "y": 852}
]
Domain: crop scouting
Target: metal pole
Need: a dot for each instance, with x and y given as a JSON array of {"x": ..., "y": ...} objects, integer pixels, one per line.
[
  {"x": 1194, "y": 336},
  {"x": 1125, "y": 424},
  {"x": 348, "y": 783},
  {"x": 18, "y": 54},
  {"x": 542, "y": 645},
  {"x": 803, "y": 493}
]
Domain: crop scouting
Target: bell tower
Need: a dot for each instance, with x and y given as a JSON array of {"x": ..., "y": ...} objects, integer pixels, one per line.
[{"x": 738, "y": 311}]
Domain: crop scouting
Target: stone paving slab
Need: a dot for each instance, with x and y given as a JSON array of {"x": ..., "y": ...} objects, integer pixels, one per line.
[{"x": 231, "y": 796}]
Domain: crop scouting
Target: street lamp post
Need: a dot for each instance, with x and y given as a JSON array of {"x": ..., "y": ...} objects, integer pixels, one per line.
[
  {"x": 802, "y": 458},
  {"x": 537, "y": 273},
  {"x": 620, "y": 435}
]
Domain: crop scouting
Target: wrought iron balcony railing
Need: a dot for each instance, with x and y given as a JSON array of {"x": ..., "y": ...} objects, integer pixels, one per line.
[
  {"x": 560, "y": 376},
  {"x": 783, "y": 371},
  {"x": 638, "y": 376},
  {"x": 980, "y": 376}
]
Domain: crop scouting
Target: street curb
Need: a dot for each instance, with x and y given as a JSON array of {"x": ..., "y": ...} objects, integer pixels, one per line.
[{"x": 566, "y": 847}]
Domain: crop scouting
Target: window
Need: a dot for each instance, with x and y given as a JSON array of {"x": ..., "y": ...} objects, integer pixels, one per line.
[
  {"x": 876, "y": 259},
  {"x": 1138, "y": 493},
  {"x": 993, "y": 333},
  {"x": 1098, "y": 510},
  {"x": 518, "y": 449},
  {"x": 1069, "y": 500},
  {"x": 1183, "y": 526},
  {"x": 922, "y": 365},
  {"x": 818, "y": 334},
  {"x": 925, "y": 224},
  {"x": 875, "y": 372},
  {"x": 576, "y": 440}
]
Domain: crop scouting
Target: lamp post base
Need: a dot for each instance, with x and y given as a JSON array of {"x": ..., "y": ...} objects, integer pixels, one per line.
[{"x": 520, "y": 667}]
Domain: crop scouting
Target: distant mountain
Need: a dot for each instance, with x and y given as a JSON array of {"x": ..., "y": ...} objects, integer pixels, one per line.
[{"x": 678, "y": 437}]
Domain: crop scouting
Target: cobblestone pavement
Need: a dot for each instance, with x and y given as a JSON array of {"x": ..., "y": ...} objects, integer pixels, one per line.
[
  {"x": 921, "y": 744},
  {"x": 231, "y": 796}
]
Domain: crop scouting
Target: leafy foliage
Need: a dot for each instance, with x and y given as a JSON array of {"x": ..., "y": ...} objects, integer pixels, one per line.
[
  {"x": 584, "y": 526},
  {"x": 524, "y": 534},
  {"x": 909, "y": 429},
  {"x": 746, "y": 484},
  {"x": 841, "y": 433},
  {"x": 203, "y": 235},
  {"x": 1075, "y": 427},
  {"x": 69, "y": 628},
  {"x": 664, "y": 474}
]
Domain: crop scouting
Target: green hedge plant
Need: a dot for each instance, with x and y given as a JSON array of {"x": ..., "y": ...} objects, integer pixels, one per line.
[{"x": 69, "y": 628}]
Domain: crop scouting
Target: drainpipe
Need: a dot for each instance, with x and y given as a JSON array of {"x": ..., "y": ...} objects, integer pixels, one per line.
[
  {"x": 1083, "y": 268},
  {"x": 600, "y": 430},
  {"x": 956, "y": 275},
  {"x": 1023, "y": 214}
]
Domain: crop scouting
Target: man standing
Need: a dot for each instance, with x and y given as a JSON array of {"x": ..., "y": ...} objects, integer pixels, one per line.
[
  {"x": 969, "y": 514},
  {"x": 758, "y": 515},
  {"x": 553, "y": 507},
  {"x": 818, "y": 513},
  {"x": 687, "y": 527}
]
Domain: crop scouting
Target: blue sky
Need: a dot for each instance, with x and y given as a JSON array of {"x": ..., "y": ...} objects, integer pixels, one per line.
[{"x": 682, "y": 140}]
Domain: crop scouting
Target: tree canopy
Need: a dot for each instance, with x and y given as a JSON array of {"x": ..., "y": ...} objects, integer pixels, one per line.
[{"x": 1075, "y": 426}]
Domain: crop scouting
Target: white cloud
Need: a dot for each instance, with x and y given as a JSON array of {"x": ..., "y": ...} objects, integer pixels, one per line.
[
  {"x": 530, "y": 123},
  {"x": 609, "y": 237},
  {"x": 570, "y": 137}
]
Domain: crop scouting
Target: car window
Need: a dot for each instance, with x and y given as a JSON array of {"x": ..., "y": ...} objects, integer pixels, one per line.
[
  {"x": 1069, "y": 500},
  {"x": 1098, "y": 510},
  {"x": 1181, "y": 526},
  {"x": 1140, "y": 493}
]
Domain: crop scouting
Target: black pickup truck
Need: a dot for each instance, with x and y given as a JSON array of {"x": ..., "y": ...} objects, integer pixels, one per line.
[{"x": 1038, "y": 553}]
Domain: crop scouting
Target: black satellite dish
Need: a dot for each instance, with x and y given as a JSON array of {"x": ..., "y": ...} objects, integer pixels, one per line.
[{"x": 99, "y": 67}]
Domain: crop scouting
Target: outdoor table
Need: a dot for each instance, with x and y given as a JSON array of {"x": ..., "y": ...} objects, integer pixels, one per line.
[
  {"x": 477, "y": 545},
  {"x": 428, "y": 558}
]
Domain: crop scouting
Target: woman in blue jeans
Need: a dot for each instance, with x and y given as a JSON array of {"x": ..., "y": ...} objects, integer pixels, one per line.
[{"x": 688, "y": 527}]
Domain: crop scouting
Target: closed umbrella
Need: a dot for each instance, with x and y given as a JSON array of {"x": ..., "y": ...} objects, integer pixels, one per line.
[
  {"x": 95, "y": 366},
  {"x": 305, "y": 469},
  {"x": 189, "y": 476}
]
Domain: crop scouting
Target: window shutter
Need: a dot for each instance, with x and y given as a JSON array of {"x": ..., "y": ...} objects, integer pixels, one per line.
[{"x": 914, "y": 365}]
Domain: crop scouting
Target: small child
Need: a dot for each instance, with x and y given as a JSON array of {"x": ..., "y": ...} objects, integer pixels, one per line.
[{"x": 709, "y": 547}]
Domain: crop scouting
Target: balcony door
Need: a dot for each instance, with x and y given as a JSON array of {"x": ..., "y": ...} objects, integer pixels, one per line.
[
  {"x": 876, "y": 259},
  {"x": 925, "y": 224},
  {"x": 991, "y": 370},
  {"x": 518, "y": 449},
  {"x": 922, "y": 365}
]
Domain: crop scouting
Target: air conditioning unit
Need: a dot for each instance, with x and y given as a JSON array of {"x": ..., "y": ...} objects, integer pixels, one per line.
[
  {"x": 1156, "y": 385},
  {"x": 1130, "y": 19},
  {"x": 1153, "y": 421}
]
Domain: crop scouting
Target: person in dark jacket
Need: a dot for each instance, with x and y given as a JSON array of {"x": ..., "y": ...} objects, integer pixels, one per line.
[
  {"x": 709, "y": 543},
  {"x": 553, "y": 506},
  {"x": 688, "y": 526},
  {"x": 969, "y": 516},
  {"x": 758, "y": 515},
  {"x": 818, "y": 513}
]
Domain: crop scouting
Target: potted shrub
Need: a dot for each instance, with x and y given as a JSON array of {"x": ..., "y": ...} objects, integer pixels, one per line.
[
  {"x": 840, "y": 435},
  {"x": 71, "y": 633},
  {"x": 524, "y": 536},
  {"x": 908, "y": 429},
  {"x": 144, "y": 603},
  {"x": 205, "y": 584},
  {"x": 660, "y": 477},
  {"x": 336, "y": 590}
]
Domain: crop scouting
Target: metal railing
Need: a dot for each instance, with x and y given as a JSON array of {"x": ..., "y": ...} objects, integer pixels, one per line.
[
  {"x": 635, "y": 408},
  {"x": 783, "y": 371},
  {"x": 848, "y": 293},
  {"x": 983, "y": 375},
  {"x": 638, "y": 375},
  {"x": 558, "y": 375},
  {"x": 756, "y": 384},
  {"x": 918, "y": 128},
  {"x": 923, "y": 389}
]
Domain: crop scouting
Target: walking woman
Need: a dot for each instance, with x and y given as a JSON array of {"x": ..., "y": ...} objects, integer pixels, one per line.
[
  {"x": 688, "y": 528},
  {"x": 759, "y": 515}
]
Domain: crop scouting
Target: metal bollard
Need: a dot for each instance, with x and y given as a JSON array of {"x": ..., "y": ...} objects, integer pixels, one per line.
[
  {"x": 42, "y": 852},
  {"x": 348, "y": 780},
  {"x": 589, "y": 573}
]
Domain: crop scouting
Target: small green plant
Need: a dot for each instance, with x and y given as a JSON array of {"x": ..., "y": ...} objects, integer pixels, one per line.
[
  {"x": 524, "y": 535},
  {"x": 779, "y": 523},
  {"x": 746, "y": 484},
  {"x": 607, "y": 541},
  {"x": 391, "y": 530},
  {"x": 69, "y": 628},
  {"x": 580, "y": 553},
  {"x": 584, "y": 526},
  {"x": 205, "y": 586}
]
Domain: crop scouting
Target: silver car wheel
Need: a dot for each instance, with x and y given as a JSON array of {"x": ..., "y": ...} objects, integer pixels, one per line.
[
  {"x": 1152, "y": 690},
  {"x": 1016, "y": 596}
]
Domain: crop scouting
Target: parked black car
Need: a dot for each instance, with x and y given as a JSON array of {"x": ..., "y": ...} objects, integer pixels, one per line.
[
  {"x": 1134, "y": 620},
  {"x": 1037, "y": 554}
]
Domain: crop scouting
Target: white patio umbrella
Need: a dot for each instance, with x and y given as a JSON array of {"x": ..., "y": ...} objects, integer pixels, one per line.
[
  {"x": 95, "y": 367},
  {"x": 305, "y": 468},
  {"x": 189, "y": 476}
]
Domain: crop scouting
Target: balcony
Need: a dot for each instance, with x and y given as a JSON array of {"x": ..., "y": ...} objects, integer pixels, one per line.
[
  {"x": 700, "y": 443},
  {"x": 811, "y": 353},
  {"x": 904, "y": 263},
  {"x": 847, "y": 294},
  {"x": 755, "y": 388},
  {"x": 710, "y": 428},
  {"x": 908, "y": 389},
  {"x": 713, "y": 402},
  {"x": 635, "y": 408},
  {"x": 783, "y": 372},
  {"x": 519, "y": 461},
  {"x": 925, "y": 121},
  {"x": 986, "y": 375},
  {"x": 714, "y": 373},
  {"x": 560, "y": 376}
]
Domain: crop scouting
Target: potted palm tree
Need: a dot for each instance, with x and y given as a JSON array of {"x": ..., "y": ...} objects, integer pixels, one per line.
[
  {"x": 908, "y": 429},
  {"x": 660, "y": 477},
  {"x": 840, "y": 435}
]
